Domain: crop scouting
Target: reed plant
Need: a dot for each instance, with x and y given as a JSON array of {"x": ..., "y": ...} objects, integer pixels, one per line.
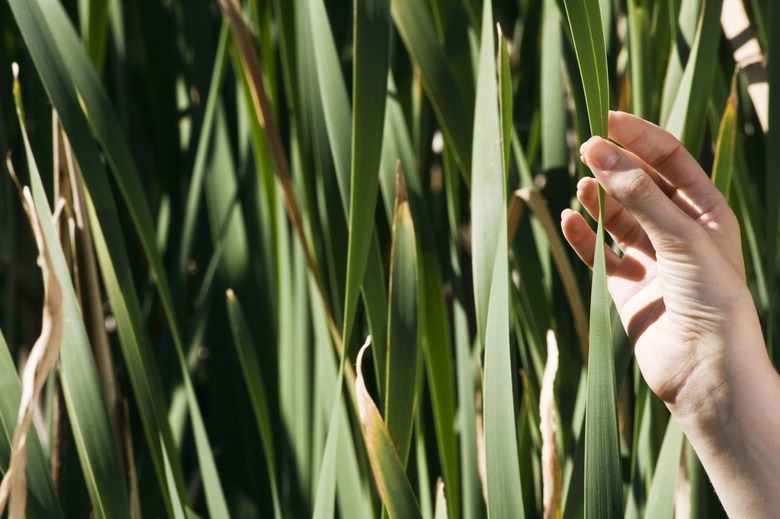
[{"x": 209, "y": 206}]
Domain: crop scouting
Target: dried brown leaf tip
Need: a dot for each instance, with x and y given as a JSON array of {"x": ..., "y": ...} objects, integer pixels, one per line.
[
  {"x": 42, "y": 360},
  {"x": 551, "y": 465}
]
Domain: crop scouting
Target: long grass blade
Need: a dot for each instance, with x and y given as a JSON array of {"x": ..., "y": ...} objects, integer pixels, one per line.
[
  {"x": 639, "y": 57},
  {"x": 467, "y": 366},
  {"x": 491, "y": 287},
  {"x": 434, "y": 326},
  {"x": 771, "y": 257},
  {"x": 660, "y": 501},
  {"x": 588, "y": 40},
  {"x": 402, "y": 340},
  {"x": 688, "y": 116},
  {"x": 453, "y": 110},
  {"x": 64, "y": 99},
  {"x": 372, "y": 47},
  {"x": 94, "y": 29},
  {"x": 684, "y": 17},
  {"x": 326, "y": 484},
  {"x": 76, "y": 69},
  {"x": 536, "y": 203},
  {"x": 337, "y": 117},
  {"x": 97, "y": 451},
  {"x": 42, "y": 360},
  {"x": 603, "y": 481},
  {"x": 253, "y": 377},
  {"x": 199, "y": 166},
  {"x": 351, "y": 487},
  {"x": 49, "y": 31},
  {"x": 723, "y": 166}
]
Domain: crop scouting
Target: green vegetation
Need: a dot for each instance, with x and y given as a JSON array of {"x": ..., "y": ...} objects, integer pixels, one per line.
[{"x": 244, "y": 192}]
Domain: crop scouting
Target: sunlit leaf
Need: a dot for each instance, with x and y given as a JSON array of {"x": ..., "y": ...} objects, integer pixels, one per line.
[
  {"x": 603, "y": 480},
  {"x": 391, "y": 481}
]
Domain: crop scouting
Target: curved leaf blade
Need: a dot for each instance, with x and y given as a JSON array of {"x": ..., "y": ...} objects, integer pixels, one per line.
[
  {"x": 68, "y": 76},
  {"x": 391, "y": 481},
  {"x": 94, "y": 439}
]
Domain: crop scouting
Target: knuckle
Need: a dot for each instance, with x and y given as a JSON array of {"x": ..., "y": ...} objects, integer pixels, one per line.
[
  {"x": 722, "y": 220},
  {"x": 637, "y": 187}
]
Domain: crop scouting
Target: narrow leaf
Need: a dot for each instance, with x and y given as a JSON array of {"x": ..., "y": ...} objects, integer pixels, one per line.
[
  {"x": 491, "y": 287},
  {"x": 416, "y": 27},
  {"x": 80, "y": 98},
  {"x": 42, "y": 360},
  {"x": 588, "y": 39},
  {"x": 603, "y": 480},
  {"x": 723, "y": 165},
  {"x": 253, "y": 377},
  {"x": 639, "y": 44},
  {"x": 391, "y": 481},
  {"x": 55, "y": 75},
  {"x": 402, "y": 338},
  {"x": 660, "y": 502},
  {"x": 372, "y": 44},
  {"x": 97, "y": 451},
  {"x": 688, "y": 117}
]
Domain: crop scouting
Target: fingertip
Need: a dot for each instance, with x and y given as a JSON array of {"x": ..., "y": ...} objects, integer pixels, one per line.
[
  {"x": 586, "y": 190},
  {"x": 580, "y": 236},
  {"x": 601, "y": 154},
  {"x": 585, "y": 145},
  {"x": 566, "y": 216},
  {"x": 618, "y": 115}
]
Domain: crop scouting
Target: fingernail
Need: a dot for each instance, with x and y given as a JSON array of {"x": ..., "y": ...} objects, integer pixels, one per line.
[
  {"x": 581, "y": 183},
  {"x": 602, "y": 155},
  {"x": 565, "y": 212}
]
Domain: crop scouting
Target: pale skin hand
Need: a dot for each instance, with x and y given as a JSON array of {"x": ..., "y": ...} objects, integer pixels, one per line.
[{"x": 679, "y": 287}]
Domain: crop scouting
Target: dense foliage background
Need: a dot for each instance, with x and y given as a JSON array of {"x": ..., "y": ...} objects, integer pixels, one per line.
[{"x": 250, "y": 191}]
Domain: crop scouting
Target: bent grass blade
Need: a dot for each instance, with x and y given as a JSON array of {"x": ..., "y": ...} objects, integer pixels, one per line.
[{"x": 391, "y": 481}]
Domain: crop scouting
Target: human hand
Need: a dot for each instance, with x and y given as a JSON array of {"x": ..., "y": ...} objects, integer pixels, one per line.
[{"x": 679, "y": 286}]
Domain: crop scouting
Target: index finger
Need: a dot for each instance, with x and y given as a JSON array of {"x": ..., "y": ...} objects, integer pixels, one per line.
[
  {"x": 669, "y": 158},
  {"x": 686, "y": 183}
]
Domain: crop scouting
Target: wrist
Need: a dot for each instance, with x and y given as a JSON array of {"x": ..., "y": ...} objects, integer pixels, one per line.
[
  {"x": 731, "y": 384},
  {"x": 730, "y": 418}
]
